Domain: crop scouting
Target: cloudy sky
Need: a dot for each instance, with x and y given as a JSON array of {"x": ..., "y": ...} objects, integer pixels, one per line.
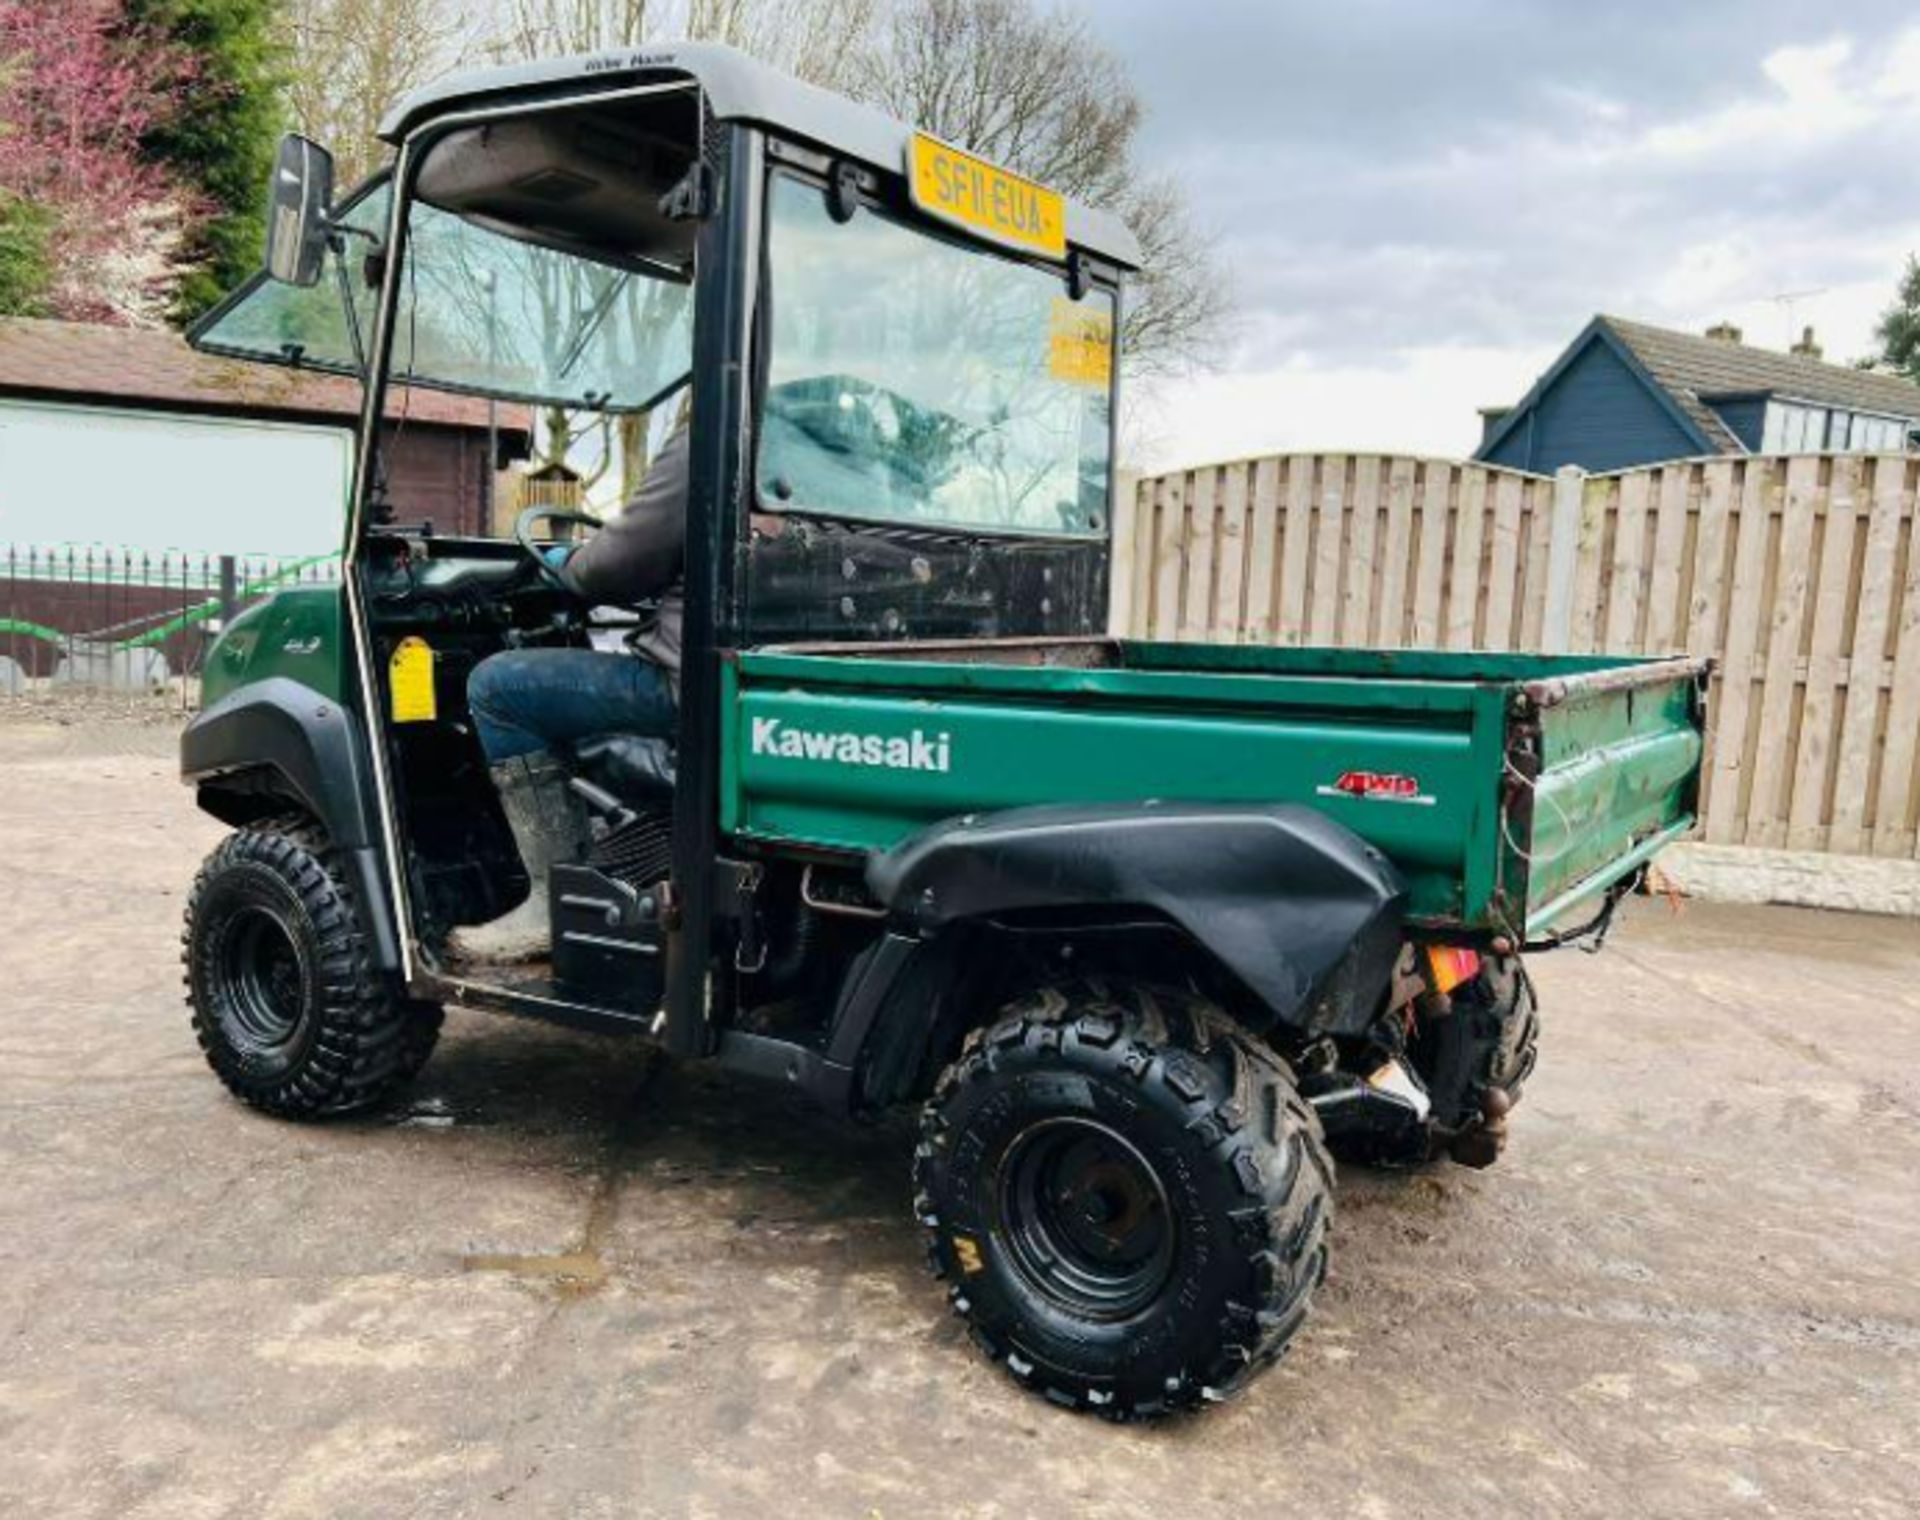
[{"x": 1421, "y": 203}]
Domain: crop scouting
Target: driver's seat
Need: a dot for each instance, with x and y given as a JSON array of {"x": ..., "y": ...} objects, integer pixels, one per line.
[{"x": 636, "y": 769}]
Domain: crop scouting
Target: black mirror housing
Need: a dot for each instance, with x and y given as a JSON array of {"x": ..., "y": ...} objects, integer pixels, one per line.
[{"x": 297, "y": 205}]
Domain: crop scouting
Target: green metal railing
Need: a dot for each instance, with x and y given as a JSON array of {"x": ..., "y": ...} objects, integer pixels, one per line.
[{"x": 58, "y": 601}]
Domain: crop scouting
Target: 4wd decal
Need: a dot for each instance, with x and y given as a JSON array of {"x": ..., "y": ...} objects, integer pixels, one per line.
[
  {"x": 918, "y": 751},
  {"x": 1378, "y": 786}
]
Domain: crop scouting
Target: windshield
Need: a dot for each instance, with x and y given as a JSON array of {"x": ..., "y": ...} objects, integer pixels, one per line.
[
  {"x": 479, "y": 312},
  {"x": 299, "y": 325},
  {"x": 915, "y": 379},
  {"x": 486, "y": 312}
]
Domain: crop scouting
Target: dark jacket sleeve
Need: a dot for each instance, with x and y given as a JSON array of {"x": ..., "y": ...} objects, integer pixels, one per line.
[{"x": 639, "y": 552}]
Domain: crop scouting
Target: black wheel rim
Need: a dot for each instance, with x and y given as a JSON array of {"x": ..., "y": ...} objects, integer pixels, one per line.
[
  {"x": 266, "y": 979},
  {"x": 1085, "y": 1219}
]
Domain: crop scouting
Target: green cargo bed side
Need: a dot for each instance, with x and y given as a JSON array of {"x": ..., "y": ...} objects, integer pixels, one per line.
[{"x": 855, "y": 749}]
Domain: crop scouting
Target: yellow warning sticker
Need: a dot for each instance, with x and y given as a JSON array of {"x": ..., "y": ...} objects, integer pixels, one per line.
[
  {"x": 1080, "y": 343},
  {"x": 410, "y": 681},
  {"x": 967, "y": 1252}
]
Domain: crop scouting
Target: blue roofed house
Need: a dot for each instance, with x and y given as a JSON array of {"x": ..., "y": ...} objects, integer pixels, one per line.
[{"x": 1626, "y": 394}]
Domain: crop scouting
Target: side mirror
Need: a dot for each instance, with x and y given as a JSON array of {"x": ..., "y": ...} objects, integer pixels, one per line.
[{"x": 297, "y": 205}]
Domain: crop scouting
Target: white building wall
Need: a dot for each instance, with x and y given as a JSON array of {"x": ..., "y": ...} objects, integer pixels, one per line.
[{"x": 147, "y": 481}]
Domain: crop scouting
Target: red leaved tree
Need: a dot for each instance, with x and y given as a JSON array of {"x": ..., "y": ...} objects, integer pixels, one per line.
[{"x": 79, "y": 88}]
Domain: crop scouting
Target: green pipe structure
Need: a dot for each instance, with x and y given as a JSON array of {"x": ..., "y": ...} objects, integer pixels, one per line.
[
  {"x": 182, "y": 620},
  {"x": 32, "y": 630}
]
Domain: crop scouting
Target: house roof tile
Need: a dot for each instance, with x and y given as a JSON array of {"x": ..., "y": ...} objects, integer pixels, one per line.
[
  {"x": 1691, "y": 368},
  {"x": 137, "y": 368}
]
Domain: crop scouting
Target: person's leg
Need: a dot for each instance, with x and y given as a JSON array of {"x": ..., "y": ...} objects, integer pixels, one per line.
[{"x": 526, "y": 702}]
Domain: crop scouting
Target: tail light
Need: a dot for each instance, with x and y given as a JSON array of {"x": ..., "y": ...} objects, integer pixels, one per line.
[{"x": 1448, "y": 966}]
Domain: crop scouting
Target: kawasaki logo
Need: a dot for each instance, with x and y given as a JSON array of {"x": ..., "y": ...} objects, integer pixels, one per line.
[{"x": 916, "y": 752}]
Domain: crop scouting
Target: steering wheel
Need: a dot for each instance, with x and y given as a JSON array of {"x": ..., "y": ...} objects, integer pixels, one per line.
[{"x": 523, "y": 535}]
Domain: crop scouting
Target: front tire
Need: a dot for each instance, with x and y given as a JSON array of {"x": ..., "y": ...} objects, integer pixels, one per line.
[
  {"x": 287, "y": 1006},
  {"x": 1128, "y": 1198}
]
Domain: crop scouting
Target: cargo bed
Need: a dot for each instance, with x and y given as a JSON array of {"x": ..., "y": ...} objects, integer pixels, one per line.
[{"x": 1509, "y": 790}]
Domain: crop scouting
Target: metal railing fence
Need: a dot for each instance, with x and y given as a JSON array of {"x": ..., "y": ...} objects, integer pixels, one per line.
[{"x": 128, "y": 619}]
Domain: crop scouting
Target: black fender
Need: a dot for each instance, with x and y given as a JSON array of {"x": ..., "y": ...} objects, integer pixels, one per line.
[
  {"x": 275, "y": 742},
  {"x": 1299, "y": 910}
]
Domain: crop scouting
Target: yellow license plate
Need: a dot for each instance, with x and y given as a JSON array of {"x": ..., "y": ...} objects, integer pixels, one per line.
[{"x": 987, "y": 201}]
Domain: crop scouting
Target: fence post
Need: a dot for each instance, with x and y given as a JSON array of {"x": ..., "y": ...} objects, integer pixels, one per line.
[
  {"x": 1563, "y": 554},
  {"x": 229, "y": 589}
]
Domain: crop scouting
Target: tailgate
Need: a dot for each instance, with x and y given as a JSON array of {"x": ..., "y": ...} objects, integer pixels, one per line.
[{"x": 1603, "y": 770}]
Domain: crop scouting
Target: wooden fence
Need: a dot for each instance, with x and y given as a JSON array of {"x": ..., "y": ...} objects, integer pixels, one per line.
[{"x": 1799, "y": 574}]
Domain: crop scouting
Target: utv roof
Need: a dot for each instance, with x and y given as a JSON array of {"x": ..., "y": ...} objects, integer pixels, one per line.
[{"x": 738, "y": 88}]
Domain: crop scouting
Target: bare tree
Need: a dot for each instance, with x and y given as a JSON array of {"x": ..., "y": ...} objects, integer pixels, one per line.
[
  {"x": 1027, "y": 86},
  {"x": 815, "y": 39},
  {"x": 553, "y": 28},
  {"x": 353, "y": 59},
  {"x": 1179, "y": 299},
  {"x": 821, "y": 41},
  {"x": 1035, "y": 90},
  {"x": 807, "y": 37}
]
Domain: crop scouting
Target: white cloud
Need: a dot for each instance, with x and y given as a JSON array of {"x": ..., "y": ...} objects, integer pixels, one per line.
[
  {"x": 1420, "y": 401},
  {"x": 1899, "y": 76},
  {"x": 1389, "y": 294},
  {"x": 1702, "y": 274},
  {"x": 1809, "y": 75},
  {"x": 1815, "y": 99}
]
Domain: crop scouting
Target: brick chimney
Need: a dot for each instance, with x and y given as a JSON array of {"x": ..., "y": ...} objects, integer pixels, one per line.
[
  {"x": 1806, "y": 348},
  {"x": 1724, "y": 332}
]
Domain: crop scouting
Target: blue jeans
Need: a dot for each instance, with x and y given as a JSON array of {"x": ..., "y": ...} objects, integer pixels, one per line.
[{"x": 528, "y": 700}]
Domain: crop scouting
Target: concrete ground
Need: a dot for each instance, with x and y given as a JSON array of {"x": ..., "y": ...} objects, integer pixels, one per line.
[{"x": 564, "y": 1278}]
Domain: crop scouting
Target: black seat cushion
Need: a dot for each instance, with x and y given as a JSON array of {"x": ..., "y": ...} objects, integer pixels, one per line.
[{"x": 636, "y": 768}]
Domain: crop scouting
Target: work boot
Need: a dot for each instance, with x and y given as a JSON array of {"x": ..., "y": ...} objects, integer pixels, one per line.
[{"x": 549, "y": 828}]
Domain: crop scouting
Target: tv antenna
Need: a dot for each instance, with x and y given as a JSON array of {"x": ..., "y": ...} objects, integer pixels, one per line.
[{"x": 1786, "y": 300}]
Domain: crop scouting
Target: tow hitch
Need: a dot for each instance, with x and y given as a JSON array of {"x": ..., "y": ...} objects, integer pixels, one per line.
[
  {"x": 1441, "y": 1068},
  {"x": 1382, "y": 1118}
]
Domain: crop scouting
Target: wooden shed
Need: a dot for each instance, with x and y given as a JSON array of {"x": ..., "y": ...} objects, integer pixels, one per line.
[
  {"x": 141, "y": 482},
  {"x": 438, "y": 464}
]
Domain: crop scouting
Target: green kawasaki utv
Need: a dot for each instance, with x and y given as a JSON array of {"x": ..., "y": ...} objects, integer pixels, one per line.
[{"x": 1146, "y": 930}]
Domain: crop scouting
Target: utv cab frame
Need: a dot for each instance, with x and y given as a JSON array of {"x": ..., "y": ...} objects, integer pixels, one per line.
[{"x": 1144, "y": 926}]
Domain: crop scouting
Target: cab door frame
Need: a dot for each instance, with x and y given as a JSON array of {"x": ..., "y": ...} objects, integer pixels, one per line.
[
  {"x": 725, "y": 275},
  {"x": 728, "y": 271}
]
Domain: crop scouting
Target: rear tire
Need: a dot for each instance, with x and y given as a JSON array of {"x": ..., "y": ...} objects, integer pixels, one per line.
[
  {"x": 287, "y": 1006},
  {"x": 1501, "y": 1007},
  {"x": 1476, "y": 1059},
  {"x": 1508, "y": 993},
  {"x": 1127, "y": 1196}
]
